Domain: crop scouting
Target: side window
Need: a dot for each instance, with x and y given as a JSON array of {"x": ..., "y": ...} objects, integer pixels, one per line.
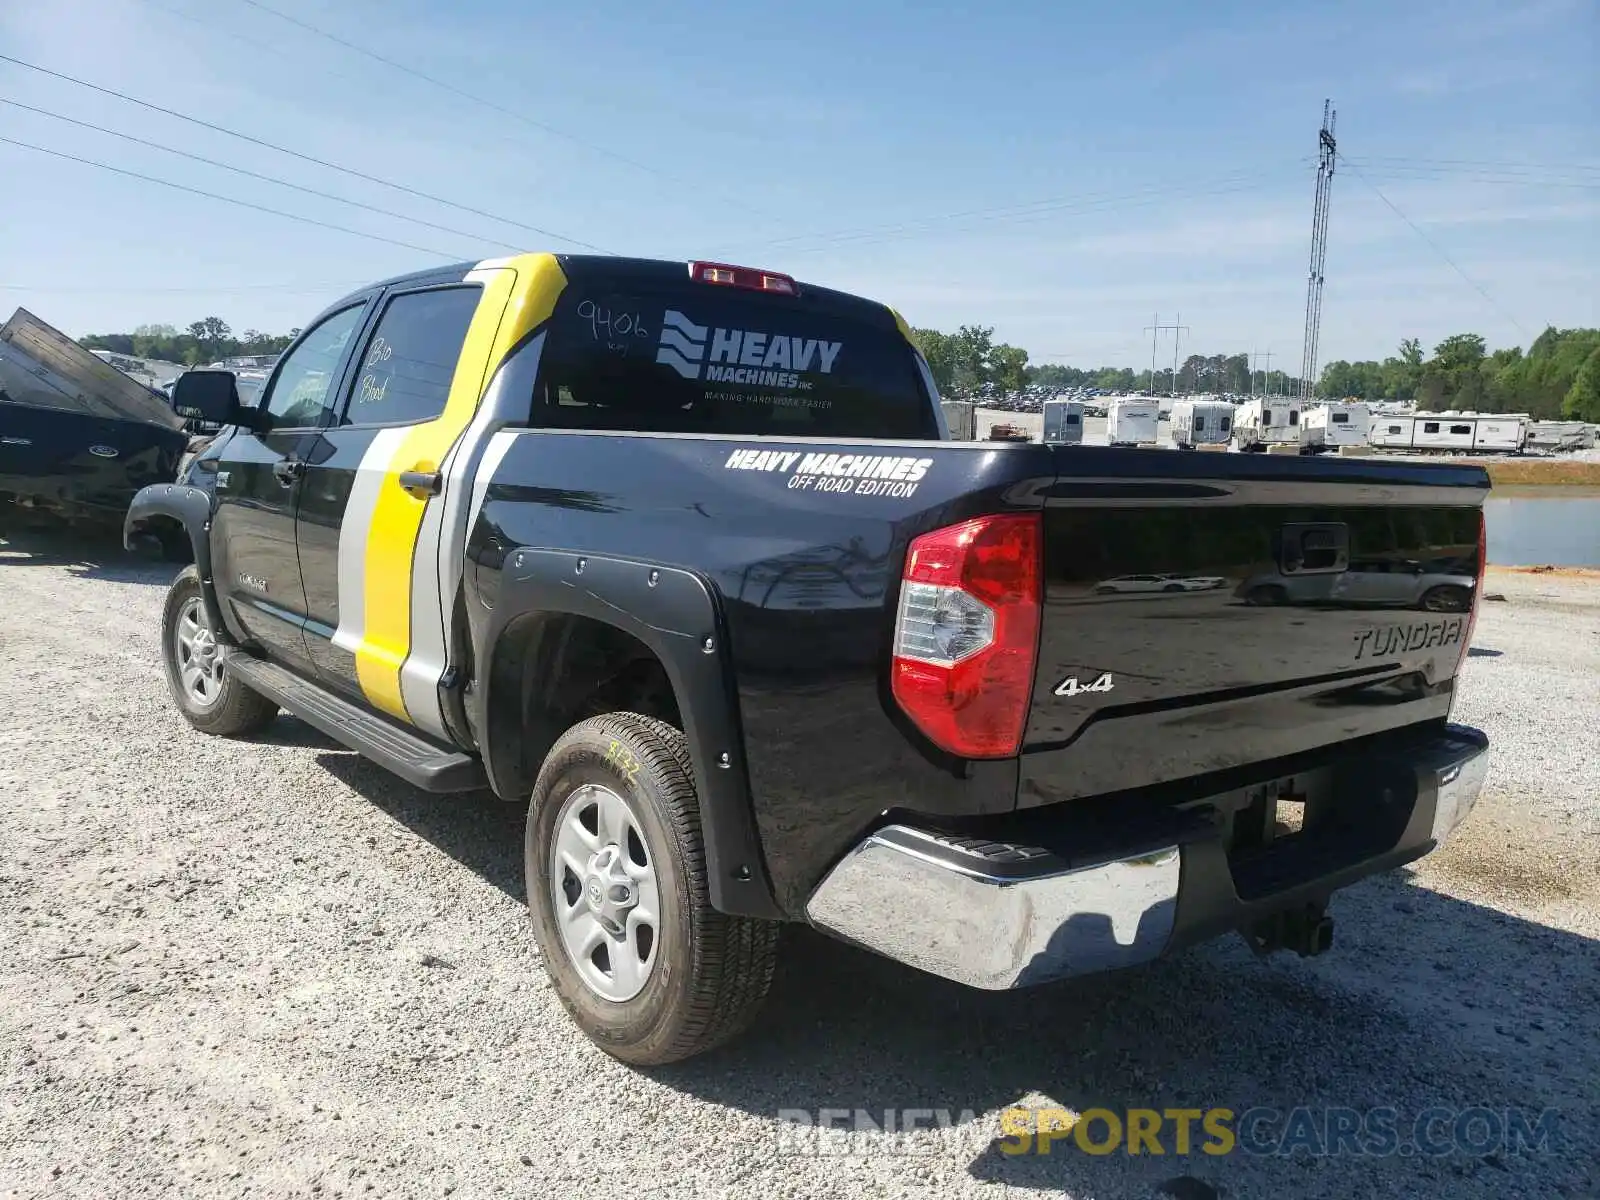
[
  {"x": 1294, "y": 416},
  {"x": 404, "y": 374},
  {"x": 1461, "y": 429},
  {"x": 1430, "y": 427},
  {"x": 303, "y": 389},
  {"x": 1223, "y": 428}
]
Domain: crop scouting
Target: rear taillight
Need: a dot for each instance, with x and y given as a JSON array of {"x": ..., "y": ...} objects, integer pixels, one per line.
[
  {"x": 743, "y": 277},
  {"x": 967, "y": 633},
  {"x": 1477, "y": 588}
]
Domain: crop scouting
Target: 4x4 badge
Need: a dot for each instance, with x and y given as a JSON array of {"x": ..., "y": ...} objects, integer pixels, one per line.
[{"x": 1071, "y": 687}]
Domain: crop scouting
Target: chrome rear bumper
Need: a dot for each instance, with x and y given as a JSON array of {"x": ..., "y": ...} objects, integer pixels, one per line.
[
  {"x": 999, "y": 916},
  {"x": 905, "y": 894}
]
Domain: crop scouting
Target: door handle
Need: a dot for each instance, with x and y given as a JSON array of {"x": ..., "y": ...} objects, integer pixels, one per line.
[
  {"x": 426, "y": 482},
  {"x": 287, "y": 470}
]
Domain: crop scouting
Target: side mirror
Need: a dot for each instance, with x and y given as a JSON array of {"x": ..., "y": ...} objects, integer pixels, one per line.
[{"x": 210, "y": 396}]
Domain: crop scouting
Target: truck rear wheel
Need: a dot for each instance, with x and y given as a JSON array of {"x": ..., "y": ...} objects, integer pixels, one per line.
[
  {"x": 208, "y": 695},
  {"x": 617, "y": 889}
]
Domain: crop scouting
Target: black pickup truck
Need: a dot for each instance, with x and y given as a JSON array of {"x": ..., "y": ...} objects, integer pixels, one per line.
[{"x": 683, "y": 553}]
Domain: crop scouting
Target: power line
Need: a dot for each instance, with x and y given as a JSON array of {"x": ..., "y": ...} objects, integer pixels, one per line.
[
  {"x": 211, "y": 162},
  {"x": 1028, "y": 208},
  {"x": 209, "y": 289},
  {"x": 1475, "y": 175},
  {"x": 1038, "y": 211},
  {"x": 255, "y": 44},
  {"x": 514, "y": 114},
  {"x": 1439, "y": 250},
  {"x": 1476, "y": 162},
  {"x": 89, "y": 162},
  {"x": 255, "y": 141}
]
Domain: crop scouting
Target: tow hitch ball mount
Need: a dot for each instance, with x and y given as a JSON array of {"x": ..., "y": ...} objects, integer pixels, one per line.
[{"x": 1307, "y": 930}]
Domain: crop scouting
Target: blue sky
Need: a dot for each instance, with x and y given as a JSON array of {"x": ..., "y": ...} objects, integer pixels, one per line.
[{"x": 1060, "y": 171}]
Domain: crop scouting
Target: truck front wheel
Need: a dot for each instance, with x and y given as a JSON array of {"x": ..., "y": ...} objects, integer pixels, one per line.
[
  {"x": 617, "y": 889},
  {"x": 210, "y": 697}
]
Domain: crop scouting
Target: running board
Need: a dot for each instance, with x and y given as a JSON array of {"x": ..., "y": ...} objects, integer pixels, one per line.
[{"x": 422, "y": 763}]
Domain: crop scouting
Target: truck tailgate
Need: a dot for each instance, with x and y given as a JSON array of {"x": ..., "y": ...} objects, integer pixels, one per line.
[{"x": 1205, "y": 612}]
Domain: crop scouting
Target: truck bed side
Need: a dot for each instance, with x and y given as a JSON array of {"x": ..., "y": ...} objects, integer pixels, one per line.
[{"x": 803, "y": 542}]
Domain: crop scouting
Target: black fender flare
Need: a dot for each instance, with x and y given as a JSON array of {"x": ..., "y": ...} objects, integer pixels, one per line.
[
  {"x": 675, "y": 613},
  {"x": 191, "y": 508}
]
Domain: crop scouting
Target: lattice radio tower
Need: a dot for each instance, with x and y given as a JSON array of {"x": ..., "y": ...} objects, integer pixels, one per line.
[{"x": 1327, "y": 154}]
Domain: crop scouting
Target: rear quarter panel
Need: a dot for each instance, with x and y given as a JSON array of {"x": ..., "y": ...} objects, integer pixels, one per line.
[{"x": 805, "y": 566}]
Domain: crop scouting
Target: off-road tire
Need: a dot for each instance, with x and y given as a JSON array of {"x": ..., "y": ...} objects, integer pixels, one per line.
[
  {"x": 238, "y": 710},
  {"x": 712, "y": 971}
]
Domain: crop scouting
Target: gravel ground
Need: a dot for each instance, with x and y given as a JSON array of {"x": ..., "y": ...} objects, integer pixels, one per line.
[{"x": 268, "y": 969}]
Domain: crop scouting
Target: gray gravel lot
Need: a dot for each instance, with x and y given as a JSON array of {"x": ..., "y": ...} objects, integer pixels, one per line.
[{"x": 269, "y": 969}]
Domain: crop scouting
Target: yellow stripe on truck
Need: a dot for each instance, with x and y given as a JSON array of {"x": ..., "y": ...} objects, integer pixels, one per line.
[{"x": 518, "y": 294}]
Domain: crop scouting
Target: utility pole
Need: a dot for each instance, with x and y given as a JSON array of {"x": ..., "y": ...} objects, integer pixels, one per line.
[
  {"x": 1327, "y": 155},
  {"x": 1266, "y": 371},
  {"x": 1177, "y": 335},
  {"x": 1153, "y": 329}
]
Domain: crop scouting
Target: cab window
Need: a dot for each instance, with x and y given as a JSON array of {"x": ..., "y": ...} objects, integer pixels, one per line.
[
  {"x": 697, "y": 359},
  {"x": 407, "y": 365},
  {"x": 303, "y": 390}
]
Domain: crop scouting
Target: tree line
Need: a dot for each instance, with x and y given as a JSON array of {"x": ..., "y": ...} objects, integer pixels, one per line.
[
  {"x": 1558, "y": 376},
  {"x": 203, "y": 341}
]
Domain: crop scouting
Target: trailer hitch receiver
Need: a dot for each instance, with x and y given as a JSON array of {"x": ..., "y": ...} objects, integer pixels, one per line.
[{"x": 1307, "y": 930}]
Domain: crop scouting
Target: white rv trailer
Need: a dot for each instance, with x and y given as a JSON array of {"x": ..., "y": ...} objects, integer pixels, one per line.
[
  {"x": 961, "y": 419},
  {"x": 1442, "y": 431},
  {"x": 1391, "y": 432},
  {"x": 1560, "y": 435},
  {"x": 1063, "y": 421},
  {"x": 1132, "y": 421},
  {"x": 1267, "y": 421},
  {"x": 1201, "y": 423},
  {"x": 1452, "y": 432},
  {"x": 1502, "y": 433},
  {"x": 1333, "y": 424}
]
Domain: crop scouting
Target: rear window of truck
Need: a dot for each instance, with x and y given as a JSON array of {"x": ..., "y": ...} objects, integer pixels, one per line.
[{"x": 706, "y": 360}]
